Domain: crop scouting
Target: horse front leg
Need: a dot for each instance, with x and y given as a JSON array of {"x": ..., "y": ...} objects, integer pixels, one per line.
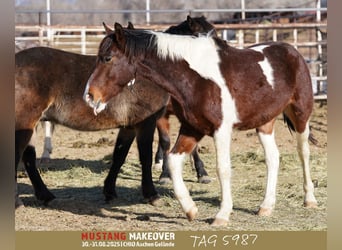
[
  {"x": 222, "y": 138},
  {"x": 185, "y": 144},
  {"x": 266, "y": 137},
  {"x": 123, "y": 143},
  {"x": 145, "y": 133}
]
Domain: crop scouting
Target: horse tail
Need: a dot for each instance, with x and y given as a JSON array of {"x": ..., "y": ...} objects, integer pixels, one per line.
[
  {"x": 289, "y": 123},
  {"x": 291, "y": 127}
]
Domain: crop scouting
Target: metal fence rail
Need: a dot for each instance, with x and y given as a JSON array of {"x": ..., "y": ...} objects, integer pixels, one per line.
[{"x": 308, "y": 38}]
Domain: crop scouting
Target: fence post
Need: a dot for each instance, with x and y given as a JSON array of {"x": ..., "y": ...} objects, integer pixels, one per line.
[
  {"x": 295, "y": 38},
  {"x": 83, "y": 41},
  {"x": 319, "y": 47},
  {"x": 41, "y": 34},
  {"x": 275, "y": 38},
  {"x": 257, "y": 36}
]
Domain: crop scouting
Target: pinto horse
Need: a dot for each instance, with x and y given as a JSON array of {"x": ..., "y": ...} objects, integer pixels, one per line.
[
  {"x": 48, "y": 83},
  {"x": 214, "y": 88}
]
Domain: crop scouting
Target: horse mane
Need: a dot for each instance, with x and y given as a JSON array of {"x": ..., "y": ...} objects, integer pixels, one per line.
[
  {"x": 189, "y": 48},
  {"x": 184, "y": 29},
  {"x": 181, "y": 29},
  {"x": 176, "y": 46},
  {"x": 139, "y": 42}
]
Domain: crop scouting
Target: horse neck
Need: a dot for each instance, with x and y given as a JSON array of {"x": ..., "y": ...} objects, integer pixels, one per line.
[
  {"x": 175, "y": 63},
  {"x": 165, "y": 74}
]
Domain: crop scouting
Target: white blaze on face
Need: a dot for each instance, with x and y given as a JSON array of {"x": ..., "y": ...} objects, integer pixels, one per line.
[
  {"x": 85, "y": 93},
  {"x": 96, "y": 106},
  {"x": 265, "y": 65}
]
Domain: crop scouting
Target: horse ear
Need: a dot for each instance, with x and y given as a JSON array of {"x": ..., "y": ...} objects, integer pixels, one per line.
[
  {"x": 189, "y": 20},
  {"x": 120, "y": 35},
  {"x": 107, "y": 29},
  {"x": 130, "y": 26}
]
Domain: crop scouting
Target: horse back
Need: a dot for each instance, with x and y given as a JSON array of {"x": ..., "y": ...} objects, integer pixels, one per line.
[{"x": 264, "y": 79}]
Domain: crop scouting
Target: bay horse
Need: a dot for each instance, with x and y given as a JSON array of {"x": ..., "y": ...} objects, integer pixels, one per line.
[
  {"x": 214, "y": 88},
  {"x": 48, "y": 83}
]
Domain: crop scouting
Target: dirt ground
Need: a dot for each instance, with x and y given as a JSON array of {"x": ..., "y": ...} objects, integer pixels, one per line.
[{"x": 80, "y": 162}]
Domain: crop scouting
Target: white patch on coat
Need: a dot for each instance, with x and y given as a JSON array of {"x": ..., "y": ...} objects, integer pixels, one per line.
[
  {"x": 201, "y": 53},
  {"x": 265, "y": 65}
]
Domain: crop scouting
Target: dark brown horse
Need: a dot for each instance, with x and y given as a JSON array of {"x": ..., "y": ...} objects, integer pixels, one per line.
[
  {"x": 48, "y": 83},
  {"x": 214, "y": 88},
  {"x": 54, "y": 96}
]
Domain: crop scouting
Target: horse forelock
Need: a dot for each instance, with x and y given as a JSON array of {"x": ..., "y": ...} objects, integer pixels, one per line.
[
  {"x": 106, "y": 45},
  {"x": 137, "y": 42}
]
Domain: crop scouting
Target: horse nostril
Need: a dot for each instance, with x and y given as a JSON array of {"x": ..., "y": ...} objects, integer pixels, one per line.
[{"x": 89, "y": 97}]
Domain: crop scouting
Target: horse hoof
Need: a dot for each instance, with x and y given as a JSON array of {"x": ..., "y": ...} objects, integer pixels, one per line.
[
  {"x": 165, "y": 181},
  {"x": 45, "y": 197},
  {"x": 264, "y": 211},
  {"x": 109, "y": 194},
  {"x": 219, "y": 222},
  {"x": 156, "y": 201},
  {"x": 18, "y": 203},
  {"x": 204, "y": 179},
  {"x": 310, "y": 204},
  {"x": 110, "y": 197},
  {"x": 192, "y": 213},
  {"x": 44, "y": 160}
]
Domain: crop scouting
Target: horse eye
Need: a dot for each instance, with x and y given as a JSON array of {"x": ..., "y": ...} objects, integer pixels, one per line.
[{"x": 107, "y": 59}]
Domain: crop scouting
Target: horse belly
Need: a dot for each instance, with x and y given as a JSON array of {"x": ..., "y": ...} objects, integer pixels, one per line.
[{"x": 256, "y": 119}]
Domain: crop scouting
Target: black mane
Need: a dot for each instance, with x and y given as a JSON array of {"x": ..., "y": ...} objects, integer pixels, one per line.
[
  {"x": 194, "y": 26},
  {"x": 138, "y": 42}
]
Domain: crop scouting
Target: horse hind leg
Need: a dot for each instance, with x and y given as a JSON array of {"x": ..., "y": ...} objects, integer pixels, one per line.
[
  {"x": 22, "y": 138},
  {"x": 28, "y": 155},
  {"x": 301, "y": 126},
  {"x": 202, "y": 174},
  {"x": 163, "y": 128},
  {"x": 266, "y": 137},
  {"x": 41, "y": 191},
  {"x": 47, "y": 149},
  {"x": 304, "y": 155}
]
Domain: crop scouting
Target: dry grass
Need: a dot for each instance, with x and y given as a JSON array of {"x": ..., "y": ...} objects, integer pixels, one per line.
[{"x": 81, "y": 161}]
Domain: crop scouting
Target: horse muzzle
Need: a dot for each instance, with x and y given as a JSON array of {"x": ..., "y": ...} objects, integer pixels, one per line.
[
  {"x": 96, "y": 105},
  {"x": 93, "y": 99}
]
